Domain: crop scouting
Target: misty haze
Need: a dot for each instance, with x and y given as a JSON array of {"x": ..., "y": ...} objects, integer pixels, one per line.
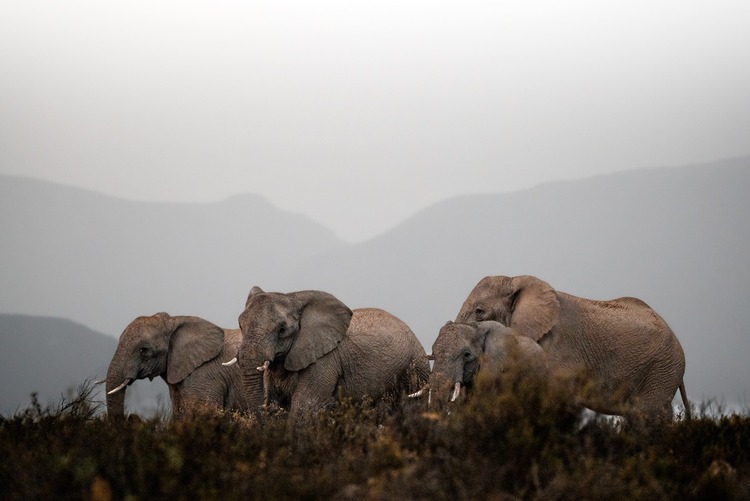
[{"x": 169, "y": 156}]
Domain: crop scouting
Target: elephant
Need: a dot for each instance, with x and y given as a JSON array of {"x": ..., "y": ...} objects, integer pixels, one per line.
[
  {"x": 308, "y": 349},
  {"x": 186, "y": 352},
  {"x": 462, "y": 349},
  {"x": 630, "y": 359}
]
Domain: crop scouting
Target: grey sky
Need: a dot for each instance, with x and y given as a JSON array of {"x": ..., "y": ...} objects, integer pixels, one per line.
[{"x": 360, "y": 113}]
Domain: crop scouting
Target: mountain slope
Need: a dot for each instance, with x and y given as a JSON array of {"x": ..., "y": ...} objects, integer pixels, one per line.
[
  {"x": 678, "y": 238},
  {"x": 103, "y": 261}
]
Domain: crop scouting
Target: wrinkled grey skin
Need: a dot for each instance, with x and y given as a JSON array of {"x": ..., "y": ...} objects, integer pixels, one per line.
[
  {"x": 187, "y": 353},
  {"x": 625, "y": 350},
  {"x": 319, "y": 349},
  {"x": 461, "y": 350}
]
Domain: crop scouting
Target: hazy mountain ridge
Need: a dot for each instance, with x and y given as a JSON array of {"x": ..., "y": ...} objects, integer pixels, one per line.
[
  {"x": 102, "y": 261},
  {"x": 678, "y": 238}
]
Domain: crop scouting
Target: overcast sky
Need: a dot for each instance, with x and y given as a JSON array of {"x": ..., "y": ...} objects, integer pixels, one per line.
[{"x": 360, "y": 113}]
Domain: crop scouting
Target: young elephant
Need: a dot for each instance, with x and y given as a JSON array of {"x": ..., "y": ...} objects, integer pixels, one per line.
[
  {"x": 462, "y": 349},
  {"x": 308, "y": 348},
  {"x": 187, "y": 353}
]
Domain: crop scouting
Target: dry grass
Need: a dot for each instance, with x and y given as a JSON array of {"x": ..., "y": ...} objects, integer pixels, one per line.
[{"x": 511, "y": 439}]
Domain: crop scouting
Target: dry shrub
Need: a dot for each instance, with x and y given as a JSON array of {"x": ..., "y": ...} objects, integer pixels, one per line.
[{"x": 513, "y": 437}]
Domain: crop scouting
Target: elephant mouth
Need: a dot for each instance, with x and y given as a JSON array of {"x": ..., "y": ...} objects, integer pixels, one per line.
[{"x": 146, "y": 374}]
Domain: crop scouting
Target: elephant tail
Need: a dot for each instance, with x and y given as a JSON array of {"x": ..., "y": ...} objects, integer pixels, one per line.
[{"x": 685, "y": 401}]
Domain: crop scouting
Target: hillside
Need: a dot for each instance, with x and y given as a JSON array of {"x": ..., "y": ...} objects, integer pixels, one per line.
[{"x": 52, "y": 357}]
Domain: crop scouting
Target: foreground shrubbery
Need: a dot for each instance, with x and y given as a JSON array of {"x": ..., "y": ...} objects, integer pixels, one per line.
[{"x": 506, "y": 446}]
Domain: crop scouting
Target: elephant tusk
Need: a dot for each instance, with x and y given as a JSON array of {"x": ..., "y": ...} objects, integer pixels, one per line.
[
  {"x": 429, "y": 398},
  {"x": 456, "y": 391},
  {"x": 266, "y": 385},
  {"x": 418, "y": 393},
  {"x": 231, "y": 362},
  {"x": 101, "y": 381},
  {"x": 123, "y": 385},
  {"x": 266, "y": 381}
]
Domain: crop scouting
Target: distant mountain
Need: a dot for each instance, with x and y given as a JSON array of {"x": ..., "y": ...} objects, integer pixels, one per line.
[
  {"x": 678, "y": 238},
  {"x": 52, "y": 357},
  {"x": 102, "y": 261}
]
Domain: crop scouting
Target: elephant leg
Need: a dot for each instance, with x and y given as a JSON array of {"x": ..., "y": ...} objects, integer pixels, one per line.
[
  {"x": 654, "y": 400},
  {"x": 199, "y": 393},
  {"x": 183, "y": 403},
  {"x": 316, "y": 388},
  {"x": 176, "y": 399}
]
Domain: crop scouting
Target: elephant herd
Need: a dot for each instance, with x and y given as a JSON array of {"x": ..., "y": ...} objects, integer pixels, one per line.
[{"x": 303, "y": 350}]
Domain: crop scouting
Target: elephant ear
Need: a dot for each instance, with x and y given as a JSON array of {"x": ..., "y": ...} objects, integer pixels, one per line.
[
  {"x": 323, "y": 323},
  {"x": 535, "y": 307},
  {"x": 193, "y": 342}
]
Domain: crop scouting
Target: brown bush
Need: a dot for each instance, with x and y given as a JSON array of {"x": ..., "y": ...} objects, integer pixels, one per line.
[{"x": 511, "y": 438}]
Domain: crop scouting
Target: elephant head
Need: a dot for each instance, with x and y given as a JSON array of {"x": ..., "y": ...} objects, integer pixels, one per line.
[
  {"x": 159, "y": 345},
  {"x": 461, "y": 349},
  {"x": 287, "y": 330},
  {"x": 524, "y": 303}
]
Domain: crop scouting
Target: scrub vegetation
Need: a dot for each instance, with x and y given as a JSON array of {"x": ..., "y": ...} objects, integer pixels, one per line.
[{"x": 510, "y": 438}]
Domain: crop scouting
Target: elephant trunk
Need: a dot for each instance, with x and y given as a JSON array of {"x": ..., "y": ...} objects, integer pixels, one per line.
[
  {"x": 256, "y": 392},
  {"x": 115, "y": 388},
  {"x": 445, "y": 384},
  {"x": 254, "y": 362}
]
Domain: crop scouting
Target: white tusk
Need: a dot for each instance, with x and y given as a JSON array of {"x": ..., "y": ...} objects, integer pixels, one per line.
[
  {"x": 266, "y": 383},
  {"x": 123, "y": 385},
  {"x": 429, "y": 397},
  {"x": 231, "y": 362},
  {"x": 418, "y": 393},
  {"x": 101, "y": 381},
  {"x": 456, "y": 391}
]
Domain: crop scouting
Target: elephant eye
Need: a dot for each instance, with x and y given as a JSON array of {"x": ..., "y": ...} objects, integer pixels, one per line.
[
  {"x": 282, "y": 331},
  {"x": 144, "y": 352},
  {"x": 467, "y": 355},
  {"x": 479, "y": 312}
]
